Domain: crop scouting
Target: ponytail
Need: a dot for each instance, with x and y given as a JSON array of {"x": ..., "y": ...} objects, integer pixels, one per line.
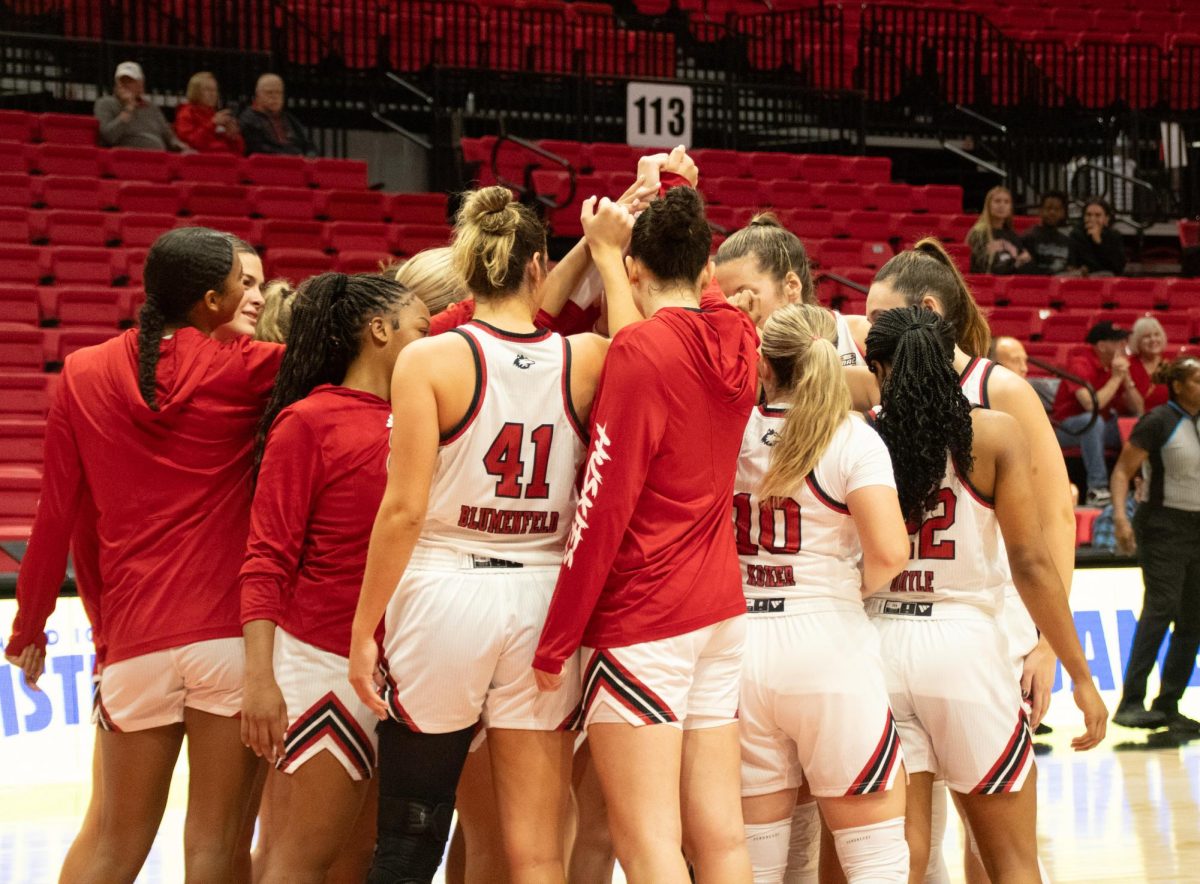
[
  {"x": 329, "y": 313},
  {"x": 776, "y": 250},
  {"x": 926, "y": 269},
  {"x": 923, "y": 416},
  {"x": 181, "y": 266},
  {"x": 798, "y": 342},
  {"x": 495, "y": 237}
]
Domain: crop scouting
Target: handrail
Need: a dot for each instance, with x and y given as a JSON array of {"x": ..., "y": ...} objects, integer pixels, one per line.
[
  {"x": 1121, "y": 176},
  {"x": 540, "y": 151},
  {"x": 418, "y": 140},
  {"x": 843, "y": 281},
  {"x": 404, "y": 84},
  {"x": 971, "y": 158},
  {"x": 987, "y": 121},
  {"x": 1063, "y": 374}
]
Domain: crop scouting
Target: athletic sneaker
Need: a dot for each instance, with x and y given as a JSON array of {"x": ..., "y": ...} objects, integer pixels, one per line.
[
  {"x": 1181, "y": 724},
  {"x": 1136, "y": 716},
  {"x": 1100, "y": 497}
]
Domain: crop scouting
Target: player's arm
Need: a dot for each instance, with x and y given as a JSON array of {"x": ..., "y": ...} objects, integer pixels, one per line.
[
  {"x": 413, "y": 457},
  {"x": 1127, "y": 466},
  {"x": 607, "y": 227},
  {"x": 999, "y": 437},
  {"x": 291, "y": 472},
  {"x": 875, "y": 510}
]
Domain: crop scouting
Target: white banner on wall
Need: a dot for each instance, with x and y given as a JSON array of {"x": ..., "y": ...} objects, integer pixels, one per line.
[{"x": 46, "y": 736}]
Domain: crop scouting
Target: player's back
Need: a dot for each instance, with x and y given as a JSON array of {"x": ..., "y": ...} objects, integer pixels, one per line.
[{"x": 504, "y": 485}]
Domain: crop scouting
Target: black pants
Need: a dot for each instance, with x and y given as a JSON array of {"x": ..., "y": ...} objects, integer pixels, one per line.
[{"x": 1169, "y": 553}]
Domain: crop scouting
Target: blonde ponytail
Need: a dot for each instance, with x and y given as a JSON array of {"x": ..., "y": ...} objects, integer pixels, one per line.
[
  {"x": 798, "y": 342},
  {"x": 495, "y": 237}
]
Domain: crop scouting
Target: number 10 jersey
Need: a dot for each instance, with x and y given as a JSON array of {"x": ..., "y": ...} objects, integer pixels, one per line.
[{"x": 504, "y": 485}]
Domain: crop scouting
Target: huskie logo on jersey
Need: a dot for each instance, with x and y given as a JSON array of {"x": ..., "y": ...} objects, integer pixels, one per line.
[
  {"x": 770, "y": 437},
  {"x": 523, "y": 361},
  {"x": 587, "y": 494}
]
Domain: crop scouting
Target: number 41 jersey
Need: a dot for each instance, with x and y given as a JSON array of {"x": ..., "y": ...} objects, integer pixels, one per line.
[{"x": 504, "y": 485}]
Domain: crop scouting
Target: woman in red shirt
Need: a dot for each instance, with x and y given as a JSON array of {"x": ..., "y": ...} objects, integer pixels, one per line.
[
  {"x": 201, "y": 126},
  {"x": 322, "y": 473},
  {"x": 650, "y": 582},
  {"x": 157, "y": 426}
]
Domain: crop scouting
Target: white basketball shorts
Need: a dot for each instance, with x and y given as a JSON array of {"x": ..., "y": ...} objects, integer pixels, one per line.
[
  {"x": 324, "y": 713},
  {"x": 689, "y": 681},
  {"x": 460, "y": 635},
  {"x": 815, "y": 704},
  {"x": 957, "y": 706},
  {"x": 153, "y": 689},
  {"x": 1019, "y": 630}
]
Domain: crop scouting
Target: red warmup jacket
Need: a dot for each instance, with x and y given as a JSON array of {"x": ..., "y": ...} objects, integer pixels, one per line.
[
  {"x": 322, "y": 477},
  {"x": 171, "y": 490},
  {"x": 651, "y": 553},
  {"x": 194, "y": 126}
]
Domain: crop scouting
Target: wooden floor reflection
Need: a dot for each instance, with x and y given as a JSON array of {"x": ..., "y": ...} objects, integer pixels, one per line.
[{"x": 1126, "y": 812}]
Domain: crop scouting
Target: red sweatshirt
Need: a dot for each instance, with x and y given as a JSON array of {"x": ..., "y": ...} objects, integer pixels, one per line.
[
  {"x": 171, "y": 490},
  {"x": 651, "y": 553},
  {"x": 195, "y": 127},
  {"x": 319, "y": 487}
]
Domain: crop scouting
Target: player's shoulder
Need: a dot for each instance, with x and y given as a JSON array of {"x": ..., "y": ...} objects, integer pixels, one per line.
[{"x": 994, "y": 429}]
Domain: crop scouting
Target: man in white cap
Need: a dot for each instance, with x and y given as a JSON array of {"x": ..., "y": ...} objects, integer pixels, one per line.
[{"x": 127, "y": 119}]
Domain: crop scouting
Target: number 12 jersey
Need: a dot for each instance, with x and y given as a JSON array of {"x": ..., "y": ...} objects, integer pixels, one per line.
[{"x": 504, "y": 485}]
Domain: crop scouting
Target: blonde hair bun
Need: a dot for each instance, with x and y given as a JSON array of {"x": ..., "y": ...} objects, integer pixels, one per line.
[{"x": 492, "y": 210}]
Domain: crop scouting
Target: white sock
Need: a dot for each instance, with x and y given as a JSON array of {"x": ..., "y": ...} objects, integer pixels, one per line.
[
  {"x": 767, "y": 844},
  {"x": 874, "y": 854},
  {"x": 936, "y": 872},
  {"x": 804, "y": 849}
]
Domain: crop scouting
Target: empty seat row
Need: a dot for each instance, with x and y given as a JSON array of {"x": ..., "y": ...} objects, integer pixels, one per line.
[
  {"x": 129, "y": 164},
  {"x": 26, "y": 348},
  {"x": 25, "y": 127},
  {"x": 199, "y": 198},
  {"x": 1071, "y": 327}
]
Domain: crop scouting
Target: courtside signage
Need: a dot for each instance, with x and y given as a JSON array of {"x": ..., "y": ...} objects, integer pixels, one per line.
[{"x": 658, "y": 115}]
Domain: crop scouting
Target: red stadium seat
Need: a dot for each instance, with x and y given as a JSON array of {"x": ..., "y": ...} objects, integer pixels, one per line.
[
  {"x": 131, "y": 263},
  {"x": 719, "y": 163},
  {"x": 912, "y": 227},
  {"x": 17, "y": 126},
  {"x": 210, "y": 168},
  {"x": 15, "y": 158},
  {"x": 270, "y": 170},
  {"x": 94, "y": 306},
  {"x": 24, "y": 394},
  {"x": 72, "y": 339},
  {"x": 809, "y": 224},
  {"x": 142, "y": 229},
  {"x": 70, "y": 228},
  {"x": 67, "y": 159},
  {"x": 818, "y": 168},
  {"x": 67, "y": 192},
  {"x": 278, "y": 202},
  {"x": 1067, "y": 328},
  {"x": 896, "y": 198},
  {"x": 732, "y": 191},
  {"x": 281, "y": 233},
  {"x": 247, "y": 229},
  {"x": 19, "y": 303},
  {"x": 357, "y": 236},
  {"x": 23, "y": 264},
  {"x": 361, "y": 262},
  {"x": 77, "y": 264},
  {"x": 19, "y": 490},
  {"x": 296, "y": 264},
  {"x": 868, "y": 170},
  {"x": 155, "y": 199},
  {"x": 940, "y": 199},
  {"x": 1019, "y": 322},
  {"x": 408, "y": 239},
  {"x": 1183, "y": 293},
  {"x": 21, "y": 347},
  {"x": 1133, "y": 294},
  {"x": 608, "y": 157},
  {"x": 577, "y": 153},
  {"x": 1080, "y": 294},
  {"x": 131, "y": 164},
  {"x": 21, "y": 440},
  {"x": 415, "y": 208},
  {"x": 350, "y": 205},
  {"x": 338, "y": 174},
  {"x": 1031, "y": 291},
  {"x": 214, "y": 199},
  {"x": 837, "y": 197},
  {"x": 873, "y": 226},
  {"x": 17, "y": 225},
  {"x": 68, "y": 129}
]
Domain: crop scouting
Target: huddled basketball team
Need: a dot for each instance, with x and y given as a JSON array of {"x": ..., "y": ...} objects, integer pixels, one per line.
[{"x": 644, "y": 558}]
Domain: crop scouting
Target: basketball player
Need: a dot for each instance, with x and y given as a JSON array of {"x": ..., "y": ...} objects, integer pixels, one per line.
[
  {"x": 926, "y": 275},
  {"x": 156, "y": 425},
  {"x": 650, "y": 580},
  {"x": 814, "y": 497},
  {"x": 245, "y": 319},
  {"x": 490, "y": 423},
  {"x": 322, "y": 474},
  {"x": 963, "y": 478}
]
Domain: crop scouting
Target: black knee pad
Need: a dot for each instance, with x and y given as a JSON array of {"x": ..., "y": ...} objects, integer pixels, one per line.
[{"x": 411, "y": 841}]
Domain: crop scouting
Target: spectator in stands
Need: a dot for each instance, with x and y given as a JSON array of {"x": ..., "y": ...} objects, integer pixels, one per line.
[
  {"x": 127, "y": 119},
  {"x": 1101, "y": 251},
  {"x": 1010, "y": 353},
  {"x": 1106, "y": 368},
  {"x": 1147, "y": 342},
  {"x": 1051, "y": 248},
  {"x": 267, "y": 127},
  {"x": 995, "y": 246},
  {"x": 200, "y": 125},
  {"x": 1164, "y": 531}
]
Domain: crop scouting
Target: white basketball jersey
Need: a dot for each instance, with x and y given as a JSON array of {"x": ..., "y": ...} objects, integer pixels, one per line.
[
  {"x": 805, "y": 546},
  {"x": 956, "y": 553},
  {"x": 846, "y": 347},
  {"x": 504, "y": 486}
]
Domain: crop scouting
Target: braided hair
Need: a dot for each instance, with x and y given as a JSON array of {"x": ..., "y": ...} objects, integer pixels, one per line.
[
  {"x": 329, "y": 313},
  {"x": 1179, "y": 370},
  {"x": 924, "y": 415},
  {"x": 181, "y": 266}
]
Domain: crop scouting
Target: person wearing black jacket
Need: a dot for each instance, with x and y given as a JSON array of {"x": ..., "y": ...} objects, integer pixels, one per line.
[
  {"x": 1101, "y": 251},
  {"x": 267, "y": 127},
  {"x": 1052, "y": 249}
]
